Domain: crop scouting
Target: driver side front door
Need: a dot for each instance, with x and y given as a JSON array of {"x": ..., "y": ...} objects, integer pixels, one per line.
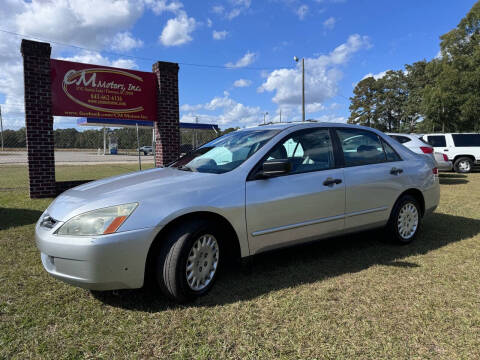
[{"x": 305, "y": 204}]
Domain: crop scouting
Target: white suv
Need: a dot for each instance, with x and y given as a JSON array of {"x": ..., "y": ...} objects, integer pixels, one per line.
[{"x": 462, "y": 149}]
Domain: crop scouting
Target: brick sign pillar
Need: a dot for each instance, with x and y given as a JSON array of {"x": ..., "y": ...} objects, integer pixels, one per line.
[
  {"x": 167, "y": 124},
  {"x": 38, "y": 118}
]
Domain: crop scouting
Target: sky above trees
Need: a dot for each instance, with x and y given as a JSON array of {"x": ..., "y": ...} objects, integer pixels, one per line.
[{"x": 236, "y": 56}]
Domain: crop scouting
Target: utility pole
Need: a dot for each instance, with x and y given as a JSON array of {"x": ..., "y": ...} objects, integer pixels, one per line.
[
  {"x": 104, "y": 140},
  {"x": 1, "y": 126},
  {"x": 303, "y": 86},
  {"x": 264, "y": 115},
  {"x": 138, "y": 149},
  {"x": 280, "y": 115},
  {"x": 195, "y": 132}
]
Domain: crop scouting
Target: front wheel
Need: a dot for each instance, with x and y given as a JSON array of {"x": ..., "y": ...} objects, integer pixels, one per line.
[
  {"x": 188, "y": 263},
  {"x": 463, "y": 165},
  {"x": 405, "y": 220}
]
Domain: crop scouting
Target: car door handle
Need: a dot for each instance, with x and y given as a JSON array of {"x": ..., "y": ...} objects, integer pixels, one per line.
[
  {"x": 330, "y": 182},
  {"x": 445, "y": 149},
  {"x": 395, "y": 171}
]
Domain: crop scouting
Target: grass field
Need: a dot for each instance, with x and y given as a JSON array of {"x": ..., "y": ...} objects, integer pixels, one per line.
[{"x": 346, "y": 298}]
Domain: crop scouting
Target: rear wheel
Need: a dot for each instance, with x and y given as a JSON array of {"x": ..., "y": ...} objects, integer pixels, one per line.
[
  {"x": 463, "y": 165},
  {"x": 405, "y": 220},
  {"x": 188, "y": 262}
]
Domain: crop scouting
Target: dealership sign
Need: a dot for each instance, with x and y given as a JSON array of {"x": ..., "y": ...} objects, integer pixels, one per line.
[{"x": 84, "y": 90}]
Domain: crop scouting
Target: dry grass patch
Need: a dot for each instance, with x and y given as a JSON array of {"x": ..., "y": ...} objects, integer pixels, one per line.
[{"x": 351, "y": 297}]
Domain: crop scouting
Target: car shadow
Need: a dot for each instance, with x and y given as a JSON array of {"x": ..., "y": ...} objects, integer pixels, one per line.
[
  {"x": 307, "y": 264},
  {"x": 453, "y": 179},
  {"x": 12, "y": 217}
]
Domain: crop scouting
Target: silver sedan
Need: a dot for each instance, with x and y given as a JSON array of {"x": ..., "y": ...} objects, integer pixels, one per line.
[{"x": 244, "y": 193}]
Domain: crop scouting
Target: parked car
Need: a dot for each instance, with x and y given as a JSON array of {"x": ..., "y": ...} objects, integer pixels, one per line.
[
  {"x": 463, "y": 150},
  {"x": 241, "y": 194},
  {"x": 146, "y": 150},
  {"x": 415, "y": 143}
]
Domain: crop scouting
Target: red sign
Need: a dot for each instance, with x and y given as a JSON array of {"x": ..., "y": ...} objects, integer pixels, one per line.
[{"x": 84, "y": 90}]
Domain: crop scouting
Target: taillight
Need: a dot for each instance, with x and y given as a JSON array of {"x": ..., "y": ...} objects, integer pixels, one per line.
[
  {"x": 445, "y": 157},
  {"x": 427, "y": 149},
  {"x": 435, "y": 171}
]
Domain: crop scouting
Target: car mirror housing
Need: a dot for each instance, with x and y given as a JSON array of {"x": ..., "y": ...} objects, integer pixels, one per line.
[{"x": 275, "y": 167}]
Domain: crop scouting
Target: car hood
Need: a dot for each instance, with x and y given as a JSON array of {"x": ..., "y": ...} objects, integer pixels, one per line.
[{"x": 127, "y": 188}]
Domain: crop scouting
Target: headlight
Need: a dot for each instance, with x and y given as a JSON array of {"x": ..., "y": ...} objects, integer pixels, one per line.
[{"x": 97, "y": 222}]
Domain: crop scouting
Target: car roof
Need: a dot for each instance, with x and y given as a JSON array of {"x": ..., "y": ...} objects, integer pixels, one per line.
[{"x": 305, "y": 124}]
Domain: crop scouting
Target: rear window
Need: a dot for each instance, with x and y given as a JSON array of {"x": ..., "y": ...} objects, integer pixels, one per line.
[
  {"x": 437, "y": 140},
  {"x": 400, "y": 139},
  {"x": 464, "y": 140}
]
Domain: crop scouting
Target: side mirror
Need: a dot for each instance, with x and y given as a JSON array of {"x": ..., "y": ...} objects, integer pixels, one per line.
[{"x": 275, "y": 167}]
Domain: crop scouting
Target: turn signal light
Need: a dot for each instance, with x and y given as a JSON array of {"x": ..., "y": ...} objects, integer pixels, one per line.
[
  {"x": 427, "y": 149},
  {"x": 435, "y": 171},
  {"x": 445, "y": 157}
]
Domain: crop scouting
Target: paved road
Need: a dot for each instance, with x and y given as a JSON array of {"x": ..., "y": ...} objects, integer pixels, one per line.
[{"x": 74, "y": 158}]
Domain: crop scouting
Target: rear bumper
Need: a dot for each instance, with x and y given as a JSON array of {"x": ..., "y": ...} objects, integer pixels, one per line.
[
  {"x": 106, "y": 262},
  {"x": 444, "y": 166}
]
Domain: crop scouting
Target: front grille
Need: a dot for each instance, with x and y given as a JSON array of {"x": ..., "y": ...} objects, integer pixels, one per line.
[{"x": 48, "y": 222}]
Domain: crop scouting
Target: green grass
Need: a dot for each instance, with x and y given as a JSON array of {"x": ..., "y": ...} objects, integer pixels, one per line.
[{"x": 352, "y": 297}]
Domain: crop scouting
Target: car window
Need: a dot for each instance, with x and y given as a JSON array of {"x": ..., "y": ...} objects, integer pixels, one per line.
[
  {"x": 226, "y": 152},
  {"x": 360, "y": 147},
  {"x": 307, "y": 150},
  {"x": 464, "y": 140},
  {"x": 436, "y": 140},
  {"x": 390, "y": 153},
  {"x": 400, "y": 139}
]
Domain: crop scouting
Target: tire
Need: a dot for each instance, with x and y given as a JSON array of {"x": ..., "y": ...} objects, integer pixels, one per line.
[
  {"x": 145, "y": 153},
  {"x": 404, "y": 211},
  {"x": 463, "y": 165},
  {"x": 187, "y": 245}
]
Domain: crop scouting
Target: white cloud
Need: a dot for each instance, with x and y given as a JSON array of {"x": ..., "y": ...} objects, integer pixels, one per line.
[
  {"x": 90, "y": 23},
  {"x": 235, "y": 8},
  {"x": 246, "y": 60},
  {"x": 322, "y": 76},
  {"x": 230, "y": 113},
  {"x": 218, "y": 9},
  {"x": 94, "y": 57},
  {"x": 376, "y": 76},
  {"x": 161, "y": 6},
  {"x": 219, "y": 35},
  {"x": 65, "y": 21},
  {"x": 178, "y": 30},
  {"x": 124, "y": 41},
  {"x": 209, "y": 23},
  {"x": 329, "y": 23},
  {"x": 242, "y": 83},
  {"x": 302, "y": 11}
]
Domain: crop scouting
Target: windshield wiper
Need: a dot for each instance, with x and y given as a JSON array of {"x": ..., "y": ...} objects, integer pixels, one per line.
[{"x": 184, "y": 168}]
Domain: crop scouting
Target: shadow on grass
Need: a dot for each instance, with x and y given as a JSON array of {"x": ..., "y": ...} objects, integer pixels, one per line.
[
  {"x": 12, "y": 217},
  {"x": 453, "y": 179},
  {"x": 307, "y": 264}
]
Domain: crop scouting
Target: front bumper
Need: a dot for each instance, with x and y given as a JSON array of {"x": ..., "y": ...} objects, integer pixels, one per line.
[{"x": 106, "y": 262}]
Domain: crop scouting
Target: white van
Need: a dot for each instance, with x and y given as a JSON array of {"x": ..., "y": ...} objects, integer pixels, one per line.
[{"x": 462, "y": 149}]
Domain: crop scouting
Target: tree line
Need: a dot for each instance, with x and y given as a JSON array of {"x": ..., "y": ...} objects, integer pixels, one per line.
[
  {"x": 93, "y": 139},
  {"x": 441, "y": 95}
]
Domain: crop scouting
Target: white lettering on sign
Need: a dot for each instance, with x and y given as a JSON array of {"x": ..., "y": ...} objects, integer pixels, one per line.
[{"x": 80, "y": 78}]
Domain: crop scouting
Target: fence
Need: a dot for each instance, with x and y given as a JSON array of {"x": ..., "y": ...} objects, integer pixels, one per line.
[{"x": 79, "y": 155}]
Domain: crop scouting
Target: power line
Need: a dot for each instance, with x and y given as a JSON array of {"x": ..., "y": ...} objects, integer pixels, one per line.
[{"x": 225, "y": 67}]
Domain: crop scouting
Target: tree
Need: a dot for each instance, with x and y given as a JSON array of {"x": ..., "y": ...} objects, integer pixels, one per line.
[{"x": 363, "y": 105}]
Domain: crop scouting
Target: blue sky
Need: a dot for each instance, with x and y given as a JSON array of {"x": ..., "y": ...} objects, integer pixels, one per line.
[{"x": 250, "y": 43}]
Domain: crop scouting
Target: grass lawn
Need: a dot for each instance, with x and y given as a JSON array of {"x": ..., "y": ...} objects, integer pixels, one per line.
[{"x": 354, "y": 297}]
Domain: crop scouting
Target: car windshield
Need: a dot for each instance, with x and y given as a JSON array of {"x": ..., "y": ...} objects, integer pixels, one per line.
[{"x": 226, "y": 152}]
